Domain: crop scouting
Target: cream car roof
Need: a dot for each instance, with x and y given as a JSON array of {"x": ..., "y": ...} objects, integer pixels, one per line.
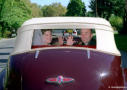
[
  {"x": 89, "y": 20},
  {"x": 104, "y": 32}
]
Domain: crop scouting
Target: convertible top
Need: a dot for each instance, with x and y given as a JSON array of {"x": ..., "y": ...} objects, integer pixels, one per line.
[
  {"x": 65, "y": 23},
  {"x": 51, "y": 20},
  {"x": 104, "y": 32}
]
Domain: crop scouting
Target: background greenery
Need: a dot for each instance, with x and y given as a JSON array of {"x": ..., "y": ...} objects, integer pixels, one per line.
[{"x": 121, "y": 41}]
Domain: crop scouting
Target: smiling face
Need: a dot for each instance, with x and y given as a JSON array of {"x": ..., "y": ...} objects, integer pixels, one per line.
[
  {"x": 47, "y": 37},
  {"x": 86, "y": 35}
]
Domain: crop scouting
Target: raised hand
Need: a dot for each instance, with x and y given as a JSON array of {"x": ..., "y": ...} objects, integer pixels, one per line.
[
  {"x": 60, "y": 40},
  {"x": 70, "y": 40}
]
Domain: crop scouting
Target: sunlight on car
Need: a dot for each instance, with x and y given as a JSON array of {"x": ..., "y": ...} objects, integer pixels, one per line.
[{"x": 103, "y": 74}]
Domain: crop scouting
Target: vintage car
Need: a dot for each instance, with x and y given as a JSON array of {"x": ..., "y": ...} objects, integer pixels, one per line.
[{"x": 34, "y": 66}]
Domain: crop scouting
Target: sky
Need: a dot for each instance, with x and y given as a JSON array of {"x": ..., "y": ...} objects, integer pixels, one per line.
[{"x": 63, "y": 2}]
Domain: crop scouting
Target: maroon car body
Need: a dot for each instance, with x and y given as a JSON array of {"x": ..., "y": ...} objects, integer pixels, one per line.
[{"x": 66, "y": 68}]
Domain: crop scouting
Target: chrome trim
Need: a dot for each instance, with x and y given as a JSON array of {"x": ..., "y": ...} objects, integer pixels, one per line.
[
  {"x": 37, "y": 54},
  {"x": 88, "y": 54}
]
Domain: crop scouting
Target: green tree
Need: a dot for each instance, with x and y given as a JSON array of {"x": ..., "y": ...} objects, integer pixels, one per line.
[
  {"x": 55, "y": 9},
  {"x": 1, "y": 22},
  {"x": 116, "y": 22},
  {"x": 90, "y": 14},
  {"x": 107, "y": 7},
  {"x": 13, "y": 14},
  {"x": 124, "y": 29},
  {"x": 76, "y": 8},
  {"x": 101, "y": 8},
  {"x": 126, "y": 5},
  {"x": 92, "y": 6},
  {"x": 36, "y": 11}
]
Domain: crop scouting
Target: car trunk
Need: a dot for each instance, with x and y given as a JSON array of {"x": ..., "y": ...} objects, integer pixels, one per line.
[{"x": 90, "y": 70}]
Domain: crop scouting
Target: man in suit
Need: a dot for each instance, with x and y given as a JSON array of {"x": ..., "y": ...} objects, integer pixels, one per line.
[{"x": 86, "y": 38}]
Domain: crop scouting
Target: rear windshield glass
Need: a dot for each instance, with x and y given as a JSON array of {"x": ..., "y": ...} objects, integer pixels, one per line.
[{"x": 64, "y": 37}]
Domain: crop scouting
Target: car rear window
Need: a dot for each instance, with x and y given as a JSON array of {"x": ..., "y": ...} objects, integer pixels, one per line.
[{"x": 64, "y": 37}]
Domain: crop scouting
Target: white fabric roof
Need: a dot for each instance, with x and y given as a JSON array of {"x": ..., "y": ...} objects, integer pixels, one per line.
[
  {"x": 65, "y": 23},
  {"x": 89, "y": 20},
  {"x": 104, "y": 32}
]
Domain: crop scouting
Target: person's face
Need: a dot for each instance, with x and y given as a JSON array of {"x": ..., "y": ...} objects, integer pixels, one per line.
[
  {"x": 47, "y": 37},
  {"x": 86, "y": 35}
]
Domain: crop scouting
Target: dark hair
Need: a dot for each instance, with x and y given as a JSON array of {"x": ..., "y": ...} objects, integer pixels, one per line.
[
  {"x": 44, "y": 30},
  {"x": 92, "y": 31}
]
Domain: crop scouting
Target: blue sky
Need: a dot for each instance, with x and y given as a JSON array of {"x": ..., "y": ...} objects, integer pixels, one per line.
[{"x": 63, "y": 2}]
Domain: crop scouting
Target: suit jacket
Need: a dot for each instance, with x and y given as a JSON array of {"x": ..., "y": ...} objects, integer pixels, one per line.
[{"x": 90, "y": 43}]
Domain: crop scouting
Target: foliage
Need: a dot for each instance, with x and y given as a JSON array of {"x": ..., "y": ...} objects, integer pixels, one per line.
[
  {"x": 7, "y": 34},
  {"x": 55, "y": 9},
  {"x": 116, "y": 22},
  {"x": 1, "y": 4},
  {"x": 92, "y": 6},
  {"x": 89, "y": 14},
  {"x": 36, "y": 11},
  {"x": 76, "y": 8},
  {"x": 121, "y": 42},
  {"x": 13, "y": 14},
  {"x": 107, "y": 7},
  {"x": 124, "y": 29},
  {"x": 0, "y": 30},
  {"x": 126, "y": 5}
]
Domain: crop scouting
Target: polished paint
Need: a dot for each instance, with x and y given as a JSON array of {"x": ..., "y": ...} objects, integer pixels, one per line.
[{"x": 96, "y": 71}]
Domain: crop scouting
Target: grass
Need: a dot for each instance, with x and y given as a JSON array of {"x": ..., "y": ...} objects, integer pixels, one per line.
[{"x": 121, "y": 41}]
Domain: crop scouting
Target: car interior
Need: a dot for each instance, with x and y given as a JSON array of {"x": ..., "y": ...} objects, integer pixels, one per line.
[{"x": 64, "y": 34}]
